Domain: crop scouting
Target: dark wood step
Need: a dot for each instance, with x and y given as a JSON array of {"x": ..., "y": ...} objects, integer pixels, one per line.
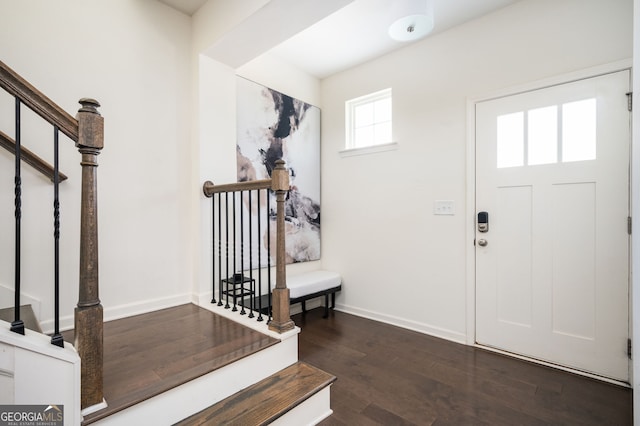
[{"x": 267, "y": 400}]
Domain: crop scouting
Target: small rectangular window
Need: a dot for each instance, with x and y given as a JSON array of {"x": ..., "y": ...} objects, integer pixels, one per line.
[
  {"x": 579, "y": 130},
  {"x": 542, "y": 135},
  {"x": 548, "y": 135},
  {"x": 368, "y": 120},
  {"x": 510, "y": 128}
]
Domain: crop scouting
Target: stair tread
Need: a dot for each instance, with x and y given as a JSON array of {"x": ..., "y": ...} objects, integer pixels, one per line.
[{"x": 265, "y": 401}]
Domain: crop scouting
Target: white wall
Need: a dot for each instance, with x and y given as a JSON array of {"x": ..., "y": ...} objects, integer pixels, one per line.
[
  {"x": 400, "y": 263},
  {"x": 133, "y": 56},
  {"x": 214, "y": 142},
  {"x": 275, "y": 74}
]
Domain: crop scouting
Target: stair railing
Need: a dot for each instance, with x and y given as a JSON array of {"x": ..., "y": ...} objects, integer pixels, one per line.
[
  {"x": 87, "y": 131},
  {"x": 232, "y": 290}
]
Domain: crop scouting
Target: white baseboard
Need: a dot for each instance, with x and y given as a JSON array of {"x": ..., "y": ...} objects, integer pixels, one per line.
[
  {"x": 451, "y": 335},
  {"x": 253, "y": 323},
  {"x": 204, "y": 299},
  {"x": 122, "y": 311},
  {"x": 130, "y": 309},
  {"x": 137, "y": 308}
]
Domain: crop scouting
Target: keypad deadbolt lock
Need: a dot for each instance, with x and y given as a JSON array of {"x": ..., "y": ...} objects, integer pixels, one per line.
[{"x": 483, "y": 222}]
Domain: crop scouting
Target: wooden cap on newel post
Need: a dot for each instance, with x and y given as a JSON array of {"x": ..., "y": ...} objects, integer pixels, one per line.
[
  {"x": 88, "y": 313},
  {"x": 281, "y": 320}
]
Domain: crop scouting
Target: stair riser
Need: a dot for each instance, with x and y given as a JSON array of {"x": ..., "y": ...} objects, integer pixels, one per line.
[{"x": 310, "y": 412}]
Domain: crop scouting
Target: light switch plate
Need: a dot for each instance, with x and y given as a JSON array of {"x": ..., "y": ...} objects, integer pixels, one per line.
[{"x": 444, "y": 207}]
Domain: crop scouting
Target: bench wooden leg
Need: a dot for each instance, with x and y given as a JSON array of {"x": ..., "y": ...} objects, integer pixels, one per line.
[
  {"x": 333, "y": 300},
  {"x": 304, "y": 306}
]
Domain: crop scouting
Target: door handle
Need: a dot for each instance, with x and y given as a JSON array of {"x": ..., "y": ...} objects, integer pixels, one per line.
[{"x": 482, "y": 242}]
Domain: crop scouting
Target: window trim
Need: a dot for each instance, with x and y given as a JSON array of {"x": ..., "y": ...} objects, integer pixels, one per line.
[
  {"x": 350, "y": 107},
  {"x": 383, "y": 147}
]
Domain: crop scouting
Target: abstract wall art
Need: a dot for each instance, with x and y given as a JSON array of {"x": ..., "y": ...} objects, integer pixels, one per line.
[{"x": 270, "y": 126}]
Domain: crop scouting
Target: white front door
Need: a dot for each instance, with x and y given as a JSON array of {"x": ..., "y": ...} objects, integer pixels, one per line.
[{"x": 552, "y": 174}]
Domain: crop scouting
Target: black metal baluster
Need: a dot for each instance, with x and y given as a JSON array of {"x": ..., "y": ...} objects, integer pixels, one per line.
[
  {"x": 56, "y": 339},
  {"x": 226, "y": 210},
  {"x": 235, "y": 252},
  {"x": 17, "y": 325},
  {"x": 242, "y": 311},
  {"x": 259, "y": 297},
  {"x": 251, "y": 286},
  {"x": 213, "y": 251},
  {"x": 219, "y": 249}
]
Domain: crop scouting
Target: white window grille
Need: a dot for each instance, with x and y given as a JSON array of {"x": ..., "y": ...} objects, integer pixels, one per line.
[{"x": 369, "y": 120}]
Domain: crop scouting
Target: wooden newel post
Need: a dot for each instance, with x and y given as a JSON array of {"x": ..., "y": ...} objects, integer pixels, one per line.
[
  {"x": 88, "y": 313},
  {"x": 281, "y": 320}
]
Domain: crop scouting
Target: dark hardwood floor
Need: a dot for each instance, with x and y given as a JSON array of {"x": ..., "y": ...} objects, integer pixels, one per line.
[
  {"x": 392, "y": 376},
  {"x": 145, "y": 355}
]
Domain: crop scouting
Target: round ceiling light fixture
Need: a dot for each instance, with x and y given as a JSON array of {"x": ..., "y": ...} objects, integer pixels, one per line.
[{"x": 412, "y": 19}]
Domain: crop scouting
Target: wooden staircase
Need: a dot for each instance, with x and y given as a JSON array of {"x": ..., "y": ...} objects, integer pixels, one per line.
[
  {"x": 160, "y": 367},
  {"x": 164, "y": 366}
]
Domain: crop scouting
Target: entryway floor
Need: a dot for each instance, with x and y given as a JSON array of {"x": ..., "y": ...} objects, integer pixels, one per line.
[{"x": 392, "y": 376}]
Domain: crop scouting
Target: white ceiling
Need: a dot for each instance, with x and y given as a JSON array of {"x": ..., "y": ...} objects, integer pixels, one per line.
[
  {"x": 358, "y": 33},
  {"x": 354, "y": 34}
]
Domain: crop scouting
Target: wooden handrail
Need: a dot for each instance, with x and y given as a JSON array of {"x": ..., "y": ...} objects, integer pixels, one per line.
[
  {"x": 38, "y": 102},
  {"x": 17, "y": 86},
  {"x": 29, "y": 157},
  {"x": 209, "y": 188}
]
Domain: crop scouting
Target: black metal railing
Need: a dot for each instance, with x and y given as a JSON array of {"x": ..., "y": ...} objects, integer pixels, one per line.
[
  {"x": 56, "y": 338},
  {"x": 17, "y": 325},
  {"x": 232, "y": 283},
  {"x": 241, "y": 231}
]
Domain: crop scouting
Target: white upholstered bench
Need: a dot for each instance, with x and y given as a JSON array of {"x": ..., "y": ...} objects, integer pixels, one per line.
[{"x": 309, "y": 285}]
